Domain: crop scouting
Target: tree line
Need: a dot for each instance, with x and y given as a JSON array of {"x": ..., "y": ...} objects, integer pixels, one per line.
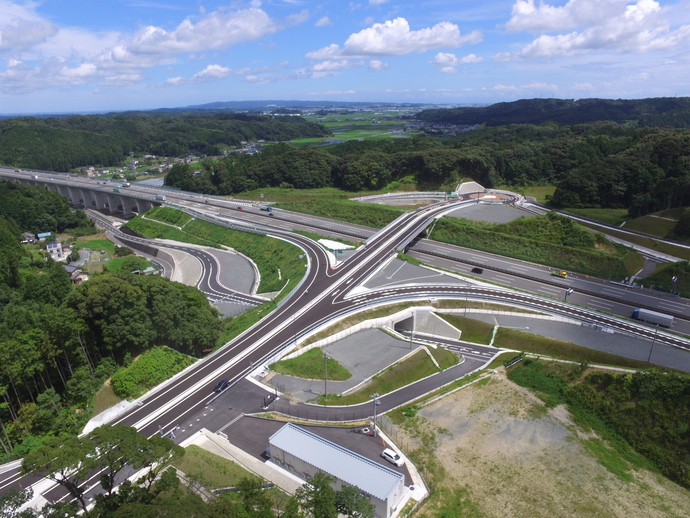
[
  {"x": 59, "y": 342},
  {"x": 72, "y": 461},
  {"x": 65, "y": 143},
  {"x": 660, "y": 112},
  {"x": 595, "y": 165}
]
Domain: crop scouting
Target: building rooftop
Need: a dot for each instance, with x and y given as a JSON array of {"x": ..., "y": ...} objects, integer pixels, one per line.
[{"x": 348, "y": 466}]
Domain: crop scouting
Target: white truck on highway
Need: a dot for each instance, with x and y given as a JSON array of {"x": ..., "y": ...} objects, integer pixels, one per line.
[
  {"x": 160, "y": 197},
  {"x": 652, "y": 317}
]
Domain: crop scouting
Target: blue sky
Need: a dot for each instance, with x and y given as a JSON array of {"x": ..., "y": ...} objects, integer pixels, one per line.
[{"x": 76, "y": 55}]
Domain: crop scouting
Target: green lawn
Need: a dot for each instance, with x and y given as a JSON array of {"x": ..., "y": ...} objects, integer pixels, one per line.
[
  {"x": 115, "y": 265},
  {"x": 98, "y": 244},
  {"x": 610, "y": 216},
  {"x": 310, "y": 365},
  {"x": 169, "y": 215},
  {"x": 656, "y": 224},
  {"x": 474, "y": 331}
]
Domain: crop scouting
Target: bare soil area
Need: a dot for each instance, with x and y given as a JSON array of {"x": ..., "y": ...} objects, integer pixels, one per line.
[{"x": 514, "y": 457}]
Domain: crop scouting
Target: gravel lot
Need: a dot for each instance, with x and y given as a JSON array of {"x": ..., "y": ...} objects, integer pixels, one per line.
[{"x": 519, "y": 459}]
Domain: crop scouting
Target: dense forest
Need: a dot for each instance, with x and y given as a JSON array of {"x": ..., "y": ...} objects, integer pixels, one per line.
[
  {"x": 661, "y": 112},
  {"x": 593, "y": 165},
  {"x": 62, "y": 144},
  {"x": 59, "y": 342}
]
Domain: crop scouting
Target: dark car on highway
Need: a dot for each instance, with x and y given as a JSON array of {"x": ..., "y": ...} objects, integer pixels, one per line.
[
  {"x": 477, "y": 270},
  {"x": 221, "y": 386}
]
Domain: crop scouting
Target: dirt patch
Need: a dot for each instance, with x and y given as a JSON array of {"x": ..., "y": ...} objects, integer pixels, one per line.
[{"x": 517, "y": 458}]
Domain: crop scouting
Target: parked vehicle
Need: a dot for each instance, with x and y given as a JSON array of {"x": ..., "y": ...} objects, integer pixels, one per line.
[
  {"x": 392, "y": 457},
  {"x": 160, "y": 197},
  {"x": 221, "y": 386},
  {"x": 652, "y": 317}
]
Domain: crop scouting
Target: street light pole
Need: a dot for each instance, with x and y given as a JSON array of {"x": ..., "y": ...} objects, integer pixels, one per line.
[
  {"x": 325, "y": 378},
  {"x": 375, "y": 395},
  {"x": 651, "y": 349}
]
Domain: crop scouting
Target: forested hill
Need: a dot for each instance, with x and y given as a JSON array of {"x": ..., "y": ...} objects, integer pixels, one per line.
[
  {"x": 661, "y": 112},
  {"x": 61, "y": 144}
]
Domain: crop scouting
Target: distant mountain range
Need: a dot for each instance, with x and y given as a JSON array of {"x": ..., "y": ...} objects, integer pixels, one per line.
[
  {"x": 249, "y": 106},
  {"x": 662, "y": 112}
]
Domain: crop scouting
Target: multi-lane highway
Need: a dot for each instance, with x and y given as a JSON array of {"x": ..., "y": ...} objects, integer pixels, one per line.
[{"x": 326, "y": 294}]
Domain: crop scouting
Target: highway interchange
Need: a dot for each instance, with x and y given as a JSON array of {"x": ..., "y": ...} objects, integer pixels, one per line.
[{"x": 325, "y": 294}]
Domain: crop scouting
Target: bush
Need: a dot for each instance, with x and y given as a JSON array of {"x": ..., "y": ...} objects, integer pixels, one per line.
[{"x": 150, "y": 369}]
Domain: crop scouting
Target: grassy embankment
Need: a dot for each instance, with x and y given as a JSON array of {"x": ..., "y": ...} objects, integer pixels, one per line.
[
  {"x": 624, "y": 411},
  {"x": 269, "y": 254},
  {"x": 401, "y": 374},
  {"x": 148, "y": 370},
  {"x": 480, "y": 332},
  {"x": 210, "y": 470},
  {"x": 554, "y": 241}
]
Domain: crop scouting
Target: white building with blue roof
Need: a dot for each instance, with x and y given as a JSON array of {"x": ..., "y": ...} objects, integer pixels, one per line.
[{"x": 304, "y": 454}]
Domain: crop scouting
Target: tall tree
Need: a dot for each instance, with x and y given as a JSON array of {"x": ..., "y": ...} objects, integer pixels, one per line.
[{"x": 64, "y": 460}]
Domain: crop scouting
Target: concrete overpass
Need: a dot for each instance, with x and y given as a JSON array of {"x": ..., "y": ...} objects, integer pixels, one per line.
[{"x": 87, "y": 194}]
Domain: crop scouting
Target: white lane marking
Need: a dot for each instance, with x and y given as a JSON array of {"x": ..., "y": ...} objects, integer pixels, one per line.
[
  {"x": 600, "y": 304},
  {"x": 673, "y": 305},
  {"x": 549, "y": 289}
]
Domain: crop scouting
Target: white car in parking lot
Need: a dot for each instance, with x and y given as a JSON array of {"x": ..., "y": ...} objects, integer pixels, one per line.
[{"x": 392, "y": 457}]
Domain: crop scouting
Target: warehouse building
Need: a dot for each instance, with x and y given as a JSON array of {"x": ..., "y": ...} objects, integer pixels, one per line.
[{"x": 304, "y": 454}]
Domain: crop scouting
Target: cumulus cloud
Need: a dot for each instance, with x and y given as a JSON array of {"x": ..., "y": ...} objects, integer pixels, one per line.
[
  {"x": 376, "y": 64},
  {"x": 22, "y": 34},
  {"x": 210, "y": 73},
  {"x": 323, "y": 22},
  {"x": 395, "y": 38},
  {"x": 72, "y": 56},
  {"x": 449, "y": 62},
  {"x": 584, "y": 26},
  {"x": 534, "y": 85},
  {"x": 217, "y": 30}
]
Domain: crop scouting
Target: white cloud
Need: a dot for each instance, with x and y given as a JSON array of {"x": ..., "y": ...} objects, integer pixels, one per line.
[
  {"x": 323, "y": 22},
  {"x": 395, "y": 38},
  {"x": 534, "y": 85},
  {"x": 449, "y": 62},
  {"x": 217, "y": 30},
  {"x": 594, "y": 25},
  {"x": 583, "y": 86},
  {"x": 377, "y": 2},
  {"x": 47, "y": 55},
  {"x": 376, "y": 64},
  {"x": 208, "y": 74},
  {"x": 20, "y": 34},
  {"x": 334, "y": 92}
]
